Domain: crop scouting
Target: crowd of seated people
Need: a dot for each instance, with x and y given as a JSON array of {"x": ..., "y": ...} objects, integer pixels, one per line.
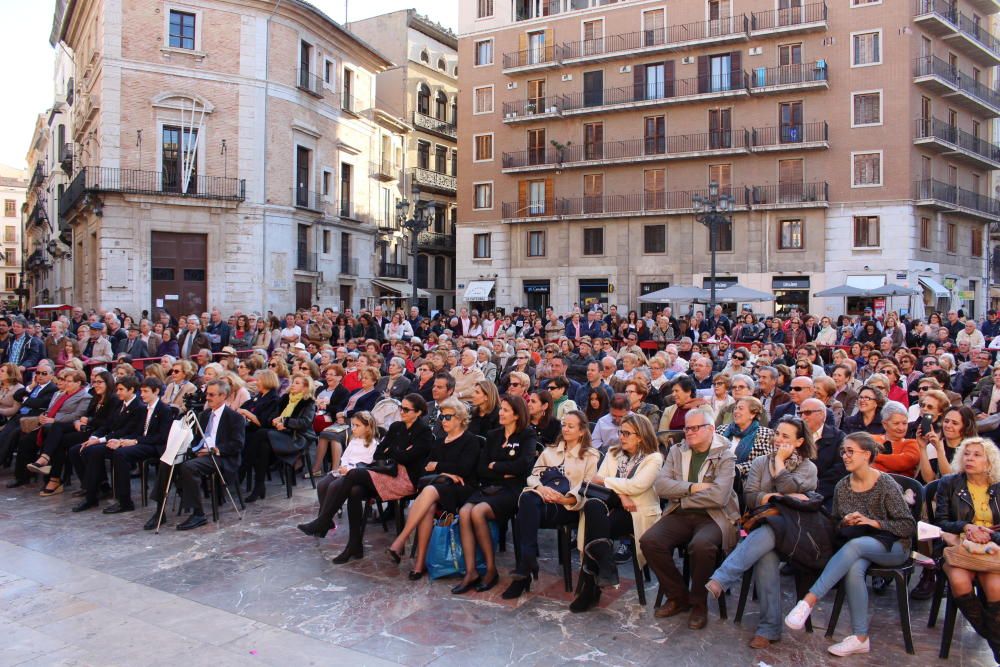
[{"x": 645, "y": 434}]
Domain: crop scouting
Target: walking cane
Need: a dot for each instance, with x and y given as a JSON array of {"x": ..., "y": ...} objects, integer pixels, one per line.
[{"x": 195, "y": 425}]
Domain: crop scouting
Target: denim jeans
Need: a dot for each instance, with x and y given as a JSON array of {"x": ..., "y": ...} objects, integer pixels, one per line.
[
  {"x": 850, "y": 564},
  {"x": 756, "y": 550}
]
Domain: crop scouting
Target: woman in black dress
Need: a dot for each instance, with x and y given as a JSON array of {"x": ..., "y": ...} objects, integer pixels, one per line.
[
  {"x": 448, "y": 480},
  {"x": 547, "y": 427},
  {"x": 485, "y": 407},
  {"x": 504, "y": 466}
]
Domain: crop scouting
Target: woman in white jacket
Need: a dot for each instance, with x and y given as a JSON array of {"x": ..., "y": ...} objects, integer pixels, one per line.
[{"x": 628, "y": 471}]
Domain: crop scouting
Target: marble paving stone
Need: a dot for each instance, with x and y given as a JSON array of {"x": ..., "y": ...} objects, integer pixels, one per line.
[{"x": 80, "y": 590}]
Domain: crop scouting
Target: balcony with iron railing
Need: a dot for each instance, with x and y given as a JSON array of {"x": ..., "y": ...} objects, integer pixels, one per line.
[
  {"x": 66, "y": 157},
  {"x": 965, "y": 33},
  {"x": 349, "y": 266},
  {"x": 384, "y": 170},
  {"x": 785, "y": 78},
  {"x": 740, "y": 141},
  {"x": 985, "y": 6},
  {"x": 434, "y": 181},
  {"x": 436, "y": 241},
  {"x": 697, "y": 88},
  {"x": 789, "y": 20},
  {"x": 638, "y": 204},
  {"x": 956, "y": 143},
  {"x": 38, "y": 215},
  {"x": 526, "y": 10},
  {"x": 164, "y": 183},
  {"x": 956, "y": 200},
  {"x": 940, "y": 77},
  {"x": 531, "y": 59},
  {"x": 37, "y": 177},
  {"x": 655, "y": 40},
  {"x": 309, "y": 82},
  {"x": 309, "y": 200},
  {"x": 436, "y": 126},
  {"x": 351, "y": 104},
  {"x": 393, "y": 270}
]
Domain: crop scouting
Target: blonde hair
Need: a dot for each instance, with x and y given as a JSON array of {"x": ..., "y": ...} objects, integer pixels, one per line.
[
  {"x": 461, "y": 412},
  {"x": 992, "y": 456},
  {"x": 267, "y": 380}
]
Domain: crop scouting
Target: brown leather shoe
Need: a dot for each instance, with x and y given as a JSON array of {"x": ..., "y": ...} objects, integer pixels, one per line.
[
  {"x": 761, "y": 642},
  {"x": 671, "y": 608},
  {"x": 698, "y": 618}
]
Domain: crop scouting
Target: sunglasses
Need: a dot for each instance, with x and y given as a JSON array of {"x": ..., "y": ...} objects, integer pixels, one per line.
[
  {"x": 798, "y": 388},
  {"x": 406, "y": 409},
  {"x": 272, "y": 365},
  {"x": 176, "y": 371},
  {"x": 447, "y": 418}
]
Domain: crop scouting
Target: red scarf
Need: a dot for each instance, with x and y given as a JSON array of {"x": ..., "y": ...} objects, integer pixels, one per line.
[{"x": 53, "y": 410}]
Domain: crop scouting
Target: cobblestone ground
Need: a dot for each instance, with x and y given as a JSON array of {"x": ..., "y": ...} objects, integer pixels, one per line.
[{"x": 92, "y": 589}]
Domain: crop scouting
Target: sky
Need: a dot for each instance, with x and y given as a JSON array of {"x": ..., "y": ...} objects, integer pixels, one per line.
[{"x": 26, "y": 59}]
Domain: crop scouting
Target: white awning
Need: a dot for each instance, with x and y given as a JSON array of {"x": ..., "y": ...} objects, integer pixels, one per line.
[
  {"x": 400, "y": 287},
  {"x": 866, "y": 282},
  {"x": 479, "y": 290},
  {"x": 937, "y": 289}
]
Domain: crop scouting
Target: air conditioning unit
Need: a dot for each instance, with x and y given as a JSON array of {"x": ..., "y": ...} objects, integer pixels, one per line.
[
  {"x": 757, "y": 50},
  {"x": 624, "y": 69},
  {"x": 511, "y": 85},
  {"x": 687, "y": 60},
  {"x": 567, "y": 77}
]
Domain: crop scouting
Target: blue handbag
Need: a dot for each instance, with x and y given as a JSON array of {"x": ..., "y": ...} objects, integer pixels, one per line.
[{"x": 445, "y": 557}]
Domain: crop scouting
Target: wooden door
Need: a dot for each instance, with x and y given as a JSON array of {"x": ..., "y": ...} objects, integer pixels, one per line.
[
  {"x": 791, "y": 175},
  {"x": 178, "y": 276},
  {"x": 303, "y": 295}
]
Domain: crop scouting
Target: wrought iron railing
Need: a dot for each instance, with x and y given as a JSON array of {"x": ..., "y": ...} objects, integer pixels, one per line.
[
  {"x": 426, "y": 178},
  {"x": 934, "y": 66},
  {"x": 309, "y": 82},
  {"x": 435, "y": 125},
  {"x": 667, "y": 36},
  {"x": 789, "y": 17},
  {"x": 955, "y": 196},
  {"x": 787, "y": 75},
  {"x": 791, "y": 133},
  {"x": 932, "y": 128},
  {"x": 392, "y": 270}
]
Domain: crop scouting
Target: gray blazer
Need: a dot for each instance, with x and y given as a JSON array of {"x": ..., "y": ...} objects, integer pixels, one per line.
[
  {"x": 74, "y": 407},
  {"x": 400, "y": 388}
]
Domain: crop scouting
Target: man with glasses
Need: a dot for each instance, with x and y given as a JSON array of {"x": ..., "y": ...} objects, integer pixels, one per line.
[
  {"x": 34, "y": 399},
  {"x": 224, "y": 435},
  {"x": 697, "y": 482},
  {"x": 828, "y": 440},
  {"x": 968, "y": 382},
  {"x": 767, "y": 392},
  {"x": 605, "y": 432},
  {"x": 801, "y": 389},
  {"x": 466, "y": 375},
  {"x": 191, "y": 340}
]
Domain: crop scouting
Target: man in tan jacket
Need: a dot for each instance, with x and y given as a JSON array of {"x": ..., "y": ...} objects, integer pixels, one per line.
[{"x": 466, "y": 375}]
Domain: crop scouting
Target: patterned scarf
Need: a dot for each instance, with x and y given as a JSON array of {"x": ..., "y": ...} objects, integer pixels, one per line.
[{"x": 746, "y": 437}]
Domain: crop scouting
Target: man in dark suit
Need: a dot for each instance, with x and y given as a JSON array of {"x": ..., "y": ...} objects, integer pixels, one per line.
[
  {"x": 828, "y": 440},
  {"x": 133, "y": 346},
  {"x": 25, "y": 350},
  {"x": 968, "y": 379},
  {"x": 802, "y": 388},
  {"x": 191, "y": 340},
  {"x": 218, "y": 331},
  {"x": 768, "y": 392},
  {"x": 225, "y": 433},
  {"x": 34, "y": 400}
]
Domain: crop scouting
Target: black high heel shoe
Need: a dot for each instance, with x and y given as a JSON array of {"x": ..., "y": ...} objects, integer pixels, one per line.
[
  {"x": 415, "y": 576},
  {"x": 346, "y": 555},
  {"x": 525, "y": 571},
  {"x": 461, "y": 589},
  {"x": 517, "y": 588},
  {"x": 488, "y": 584},
  {"x": 311, "y": 529},
  {"x": 396, "y": 557}
]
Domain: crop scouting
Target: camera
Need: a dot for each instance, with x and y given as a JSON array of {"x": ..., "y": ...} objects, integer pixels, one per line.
[{"x": 195, "y": 401}]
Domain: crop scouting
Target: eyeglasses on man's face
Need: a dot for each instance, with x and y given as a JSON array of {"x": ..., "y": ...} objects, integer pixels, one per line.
[{"x": 694, "y": 429}]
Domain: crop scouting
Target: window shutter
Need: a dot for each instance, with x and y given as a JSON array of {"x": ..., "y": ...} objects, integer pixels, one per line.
[
  {"x": 736, "y": 62},
  {"x": 549, "y": 197},
  {"x": 668, "y": 78},
  {"x": 522, "y": 50},
  {"x": 703, "y": 74},
  {"x": 549, "y": 43},
  {"x": 522, "y": 198},
  {"x": 639, "y": 82}
]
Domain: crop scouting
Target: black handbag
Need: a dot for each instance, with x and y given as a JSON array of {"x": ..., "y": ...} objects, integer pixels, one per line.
[
  {"x": 553, "y": 478},
  {"x": 381, "y": 466},
  {"x": 606, "y": 495}
]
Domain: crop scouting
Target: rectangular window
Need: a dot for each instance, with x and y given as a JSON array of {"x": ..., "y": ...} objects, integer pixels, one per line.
[
  {"x": 925, "y": 233},
  {"x": 977, "y": 242},
  {"x": 180, "y": 160},
  {"x": 654, "y": 181},
  {"x": 593, "y": 88},
  {"x": 593, "y": 241},
  {"x": 866, "y": 48},
  {"x": 536, "y": 197},
  {"x": 326, "y": 241},
  {"x": 593, "y": 141},
  {"x": 593, "y": 193},
  {"x": 482, "y": 99},
  {"x": 655, "y": 81},
  {"x": 654, "y": 239},
  {"x": 721, "y": 174},
  {"x": 720, "y": 128},
  {"x": 654, "y": 22},
  {"x": 655, "y": 134},
  {"x": 484, "y": 9},
  {"x": 536, "y": 47},
  {"x": 952, "y": 238},
  {"x": 423, "y": 154},
  {"x": 866, "y": 169},
  {"x": 790, "y": 122},
  {"x": 484, "y": 52},
  {"x": 348, "y": 103},
  {"x": 536, "y": 96},
  {"x": 866, "y": 231},
  {"x": 536, "y": 146},
  {"x": 483, "y": 196},
  {"x": 790, "y": 235},
  {"x": 723, "y": 238},
  {"x": 593, "y": 37},
  {"x": 327, "y": 71},
  {"x": 9, "y": 208},
  {"x": 482, "y": 147},
  {"x": 867, "y": 108},
  {"x": 441, "y": 159},
  {"x": 721, "y": 73},
  {"x": 11, "y": 256},
  {"x": 182, "y": 25},
  {"x": 536, "y": 244},
  {"x": 481, "y": 246},
  {"x": 10, "y": 234},
  {"x": 10, "y": 282}
]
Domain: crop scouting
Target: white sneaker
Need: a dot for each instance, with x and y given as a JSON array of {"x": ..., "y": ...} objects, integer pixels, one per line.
[
  {"x": 850, "y": 646},
  {"x": 798, "y": 616}
]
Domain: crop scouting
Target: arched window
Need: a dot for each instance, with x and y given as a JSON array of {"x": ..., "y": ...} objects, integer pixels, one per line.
[
  {"x": 425, "y": 57},
  {"x": 441, "y": 106},
  {"x": 442, "y": 65},
  {"x": 440, "y": 273},
  {"x": 454, "y": 111},
  {"x": 424, "y": 100}
]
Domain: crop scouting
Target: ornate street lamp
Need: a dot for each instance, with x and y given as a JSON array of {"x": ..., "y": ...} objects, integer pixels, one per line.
[
  {"x": 420, "y": 220},
  {"x": 713, "y": 211}
]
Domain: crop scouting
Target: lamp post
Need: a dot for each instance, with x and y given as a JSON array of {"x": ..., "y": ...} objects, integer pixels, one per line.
[
  {"x": 713, "y": 211},
  {"x": 415, "y": 224}
]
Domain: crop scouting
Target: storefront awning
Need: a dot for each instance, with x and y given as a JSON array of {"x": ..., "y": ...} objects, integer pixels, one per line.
[
  {"x": 479, "y": 290},
  {"x": 866, "y": 282},
  {"x": 937, "y": 289},
  {"x": 400, "y": 287}
]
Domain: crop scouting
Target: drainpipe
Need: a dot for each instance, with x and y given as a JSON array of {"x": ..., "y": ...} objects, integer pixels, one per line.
[{"x": 263, "y": 209}]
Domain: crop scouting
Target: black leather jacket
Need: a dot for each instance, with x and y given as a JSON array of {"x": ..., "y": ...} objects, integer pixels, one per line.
[{"x": 953, "y": 505}]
